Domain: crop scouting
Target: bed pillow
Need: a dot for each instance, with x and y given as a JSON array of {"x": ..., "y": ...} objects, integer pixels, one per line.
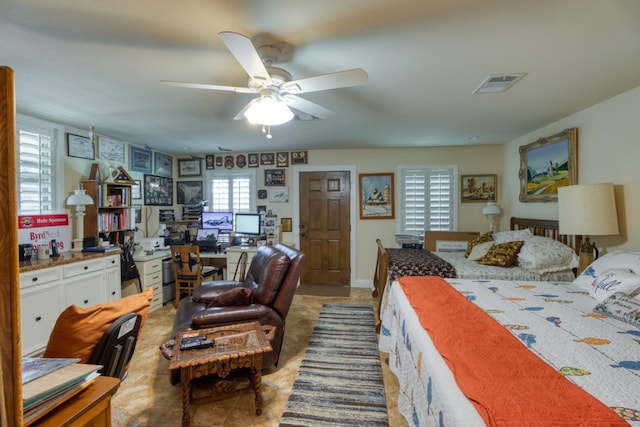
[
  {"x": 511, "y": 236},
  {"x": 483, "y": 238},
  {"x": 502, "y": 255},
  {"x": 622, "y": 307},
  {"x": 479, "y": 251},
  {"x": 545, "y": 255},
  {"x": 616, "y": 259},
  {"x": 615, "y": 280}
]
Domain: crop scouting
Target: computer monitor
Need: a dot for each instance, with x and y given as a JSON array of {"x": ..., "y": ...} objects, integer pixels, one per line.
[
  {"x": 207, "y": 235},
  {"x": 248, "y": 223},
  {"x": 219, "y": 220}
]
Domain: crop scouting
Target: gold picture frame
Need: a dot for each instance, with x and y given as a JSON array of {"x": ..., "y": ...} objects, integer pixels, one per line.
[
  {"x": 479, "y": 188},
  {"x": 547, "y": 164}
]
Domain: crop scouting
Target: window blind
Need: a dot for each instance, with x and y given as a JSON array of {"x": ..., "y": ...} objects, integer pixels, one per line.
[
  {"x": 426, "y": 198},
  {"x": 36, "y": 170}
]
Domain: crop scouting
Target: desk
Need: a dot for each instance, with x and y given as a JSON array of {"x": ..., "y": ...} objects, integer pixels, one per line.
[{"x": 417, "y": 262}]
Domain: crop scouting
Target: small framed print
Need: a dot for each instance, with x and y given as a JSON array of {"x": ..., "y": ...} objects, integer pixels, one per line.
[
  {"x": 189, "y": 192},
  {"x": 478, "y": 188},
  {"x": 209, "y": 161},
  {"x": 274, "y": 177},
  {"x": 108, "y": 149},
  {"x": 136, "y": 188},
  {"x": 158, "y": 190},
  {"x": 282, "y": 159},
  {"x": 163, "y": 164},
  {"x": 219, "y": 161},
  {"x": 138, "y": 213},
  {"x": 285, "y": 225},
  {"x": 376, "y": 196},
  {"x": 279, "y": 195},
  {"x": 80, "y": 146},
  {"x": 189, "y": 167},
  {"x": 139, "y": 159},
  {"x": 299, "y": 157},
  {"x": 253, "y": 160},
  {"x": 267, "y": 159}
]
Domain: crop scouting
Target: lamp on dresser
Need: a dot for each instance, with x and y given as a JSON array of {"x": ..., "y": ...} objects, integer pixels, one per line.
[
  {"x": 587, "y": 210},
  {"x": 79, "y": 199},
  {"x": 491, "y": 211}
]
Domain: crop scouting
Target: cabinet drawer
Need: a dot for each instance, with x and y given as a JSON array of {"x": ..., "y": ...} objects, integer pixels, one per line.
[
  {"x": 156, "y": 301},
  {"x": 86, "y": 291},
  {"x": 38, "y": 314},
  {"x": 112, "y": 261},
  {"x": 152, "y": 279},
  {"x": 39, "y": 277},
  {"x": 85, "y": 267},
  {"x": 148, "y": 267}
]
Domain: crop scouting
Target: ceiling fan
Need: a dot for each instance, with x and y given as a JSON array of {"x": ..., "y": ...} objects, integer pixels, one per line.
[{"x": 274, "y": 85}]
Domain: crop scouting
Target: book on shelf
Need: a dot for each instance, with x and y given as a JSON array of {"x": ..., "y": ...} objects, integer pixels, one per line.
[{"x": 100, "y": 249}]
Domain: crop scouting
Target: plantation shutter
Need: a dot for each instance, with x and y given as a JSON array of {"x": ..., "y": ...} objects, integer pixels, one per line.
[
  {"x": 232, "y": 192},
  {"x": 36, "y": 171}
]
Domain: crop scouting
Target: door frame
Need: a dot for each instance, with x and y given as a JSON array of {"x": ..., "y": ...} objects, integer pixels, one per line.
[{"x": 297, "y": 170}]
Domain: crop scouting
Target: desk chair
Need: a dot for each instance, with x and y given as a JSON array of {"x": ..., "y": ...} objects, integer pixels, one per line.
[
  {"x": 188, "y": 269},
  {"x": 115, "y": 348}
]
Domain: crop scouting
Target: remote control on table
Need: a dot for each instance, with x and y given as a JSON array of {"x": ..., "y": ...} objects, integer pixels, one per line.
[{"x": 196, "y": 344}]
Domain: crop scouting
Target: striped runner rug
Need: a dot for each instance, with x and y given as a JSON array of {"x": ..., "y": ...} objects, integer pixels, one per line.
[{"x": 340, "y": 380}]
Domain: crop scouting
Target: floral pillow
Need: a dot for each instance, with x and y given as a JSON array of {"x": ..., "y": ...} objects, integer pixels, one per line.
[
  {"x": 502, "y": 255},
  {"x": 615, "y": 280},
  {"x": 483, "y": 238},
  {"x": 616, "y": 259},
  {"x": 622, "y": 307},
  {"x": 545, "y": 255},
  {"x": 511, "y": 236}
]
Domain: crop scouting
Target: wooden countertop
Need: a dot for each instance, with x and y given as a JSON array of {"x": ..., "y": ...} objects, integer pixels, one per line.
[{"x": 64, "y": 258}]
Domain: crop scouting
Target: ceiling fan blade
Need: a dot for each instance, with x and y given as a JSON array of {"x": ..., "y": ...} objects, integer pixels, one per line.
[
  {"x": 208, "y": 86},
  {"x": 245, "y": 53},
  {"x": 307, "y": 106},
  {"x": 354, "y": 77}
]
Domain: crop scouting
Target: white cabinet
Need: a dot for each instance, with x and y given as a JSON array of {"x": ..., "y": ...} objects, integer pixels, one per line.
[
  {"x": 46, "y": 292},
  {"x": 150, "y": 269},
  {"x": 233, "y": 258}
]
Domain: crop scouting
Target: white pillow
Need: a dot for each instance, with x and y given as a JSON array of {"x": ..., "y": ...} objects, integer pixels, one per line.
[
  {"x": 546, "y": 255},
  {"x": 615, "y": 280},
  {"x": 616, "y": 259},
  {"x": 511, "y": 236},
  {"x": 479, "y": 251}
]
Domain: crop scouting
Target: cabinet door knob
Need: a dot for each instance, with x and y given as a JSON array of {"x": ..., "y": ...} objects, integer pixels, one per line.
[
  {"x": 34, "y": 279},
  {"x": 39, "y": 318},
  {"x": 86, "y": 301},
  {"x": 86, "y": 267}
]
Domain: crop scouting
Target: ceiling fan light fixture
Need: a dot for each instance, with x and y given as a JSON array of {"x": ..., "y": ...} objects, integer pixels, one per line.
[{"x": 268, "y": 111}]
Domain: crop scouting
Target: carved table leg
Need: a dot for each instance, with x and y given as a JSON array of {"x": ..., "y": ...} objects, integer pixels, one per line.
[
  {"x": 256, "y": 382},
  {"x": 185, "y": 379}
]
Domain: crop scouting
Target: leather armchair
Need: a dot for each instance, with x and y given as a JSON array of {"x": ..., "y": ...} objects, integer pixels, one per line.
[{"x": 264, "y": 296}]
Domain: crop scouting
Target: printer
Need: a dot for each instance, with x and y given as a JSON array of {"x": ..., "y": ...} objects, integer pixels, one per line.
[{"x": 150, "y": 244}]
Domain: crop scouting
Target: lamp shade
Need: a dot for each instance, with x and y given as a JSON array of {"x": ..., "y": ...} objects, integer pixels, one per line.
[
  {"x": 79, "y": 198},
  {"x": 491, "y": 209},
  {"x": 587, "y": 209},
  {"x": 269, "y": 111}
]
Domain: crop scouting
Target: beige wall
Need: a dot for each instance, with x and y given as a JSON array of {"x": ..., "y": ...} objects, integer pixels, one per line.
[{"x": 608, "y": 151}]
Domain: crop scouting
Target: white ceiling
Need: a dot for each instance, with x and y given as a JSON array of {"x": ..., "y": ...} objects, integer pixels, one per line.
[{"x": 100, "y": 63}]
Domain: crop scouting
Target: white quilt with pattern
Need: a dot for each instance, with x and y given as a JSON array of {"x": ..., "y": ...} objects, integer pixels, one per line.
[{"x": 553, "y": 319}]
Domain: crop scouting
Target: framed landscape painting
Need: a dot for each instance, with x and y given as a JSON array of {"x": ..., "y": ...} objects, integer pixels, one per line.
[
  {"x": 478, "y": 188},
  {"x": 547, "y": 164},
  {"x": 376, "y": 196}
]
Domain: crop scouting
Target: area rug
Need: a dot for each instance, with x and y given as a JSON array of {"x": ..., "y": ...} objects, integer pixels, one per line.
[{"x": 339, "y": 382}]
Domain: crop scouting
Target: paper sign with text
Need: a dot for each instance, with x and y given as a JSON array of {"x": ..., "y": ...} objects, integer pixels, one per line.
[{"x": 39, "y": 230}]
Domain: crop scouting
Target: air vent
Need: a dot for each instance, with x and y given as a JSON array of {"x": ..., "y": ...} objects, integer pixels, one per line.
[{"x": 497, "y": 83}]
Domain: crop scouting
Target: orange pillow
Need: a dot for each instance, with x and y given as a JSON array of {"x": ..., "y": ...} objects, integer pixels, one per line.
[{"x": 78, "y": 330}]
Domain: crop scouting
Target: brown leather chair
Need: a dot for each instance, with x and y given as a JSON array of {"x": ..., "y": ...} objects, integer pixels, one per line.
[{"x": 264, "y": 296}]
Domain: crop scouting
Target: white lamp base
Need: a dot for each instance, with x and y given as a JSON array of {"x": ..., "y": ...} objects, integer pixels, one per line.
[{"x": 76, "y": 245}]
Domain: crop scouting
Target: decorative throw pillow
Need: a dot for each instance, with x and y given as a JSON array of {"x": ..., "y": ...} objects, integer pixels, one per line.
[
  {"x": 502, "y": 255},
  {"x": 221, "y": 295},
  {"x": 615, "y": 280},
  {"x": 622, "y": 307},
  {"x": 483, "y": 238},
  {"x": 78, "y": 330},
  {"x": 479, "y": 251},
  {"x": 616, "y": 259},
  {"x": 545, "y": 255},
  {"x": 511, "y": 236}
]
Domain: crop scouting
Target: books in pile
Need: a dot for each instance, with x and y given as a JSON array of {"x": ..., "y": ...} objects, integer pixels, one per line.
[{"x": 48, "y": 382}]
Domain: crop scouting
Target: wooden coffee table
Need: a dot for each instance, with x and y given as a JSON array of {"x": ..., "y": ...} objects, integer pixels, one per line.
[{"x": 238, "y": 346}]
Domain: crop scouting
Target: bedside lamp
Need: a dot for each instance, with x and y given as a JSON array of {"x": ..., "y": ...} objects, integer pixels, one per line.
[
  {"x": 588, "y": 210},
  {"x": 491, "y": 210},
  {"x": 79, "y": 199}
]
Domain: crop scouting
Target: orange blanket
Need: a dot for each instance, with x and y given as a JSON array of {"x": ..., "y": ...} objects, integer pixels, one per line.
[{"x": 508, "y": 384}]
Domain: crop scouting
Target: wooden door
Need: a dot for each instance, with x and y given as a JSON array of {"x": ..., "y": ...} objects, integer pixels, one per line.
[{"x": 325, "y": 227}]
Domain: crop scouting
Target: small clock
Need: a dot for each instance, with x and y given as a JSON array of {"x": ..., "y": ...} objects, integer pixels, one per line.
[{"x": 262, "y": 194}]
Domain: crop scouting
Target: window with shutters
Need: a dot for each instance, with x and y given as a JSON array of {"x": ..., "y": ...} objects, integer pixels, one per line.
[
  {"x": 427, "y": 196},
  {"x": 231, "y": 191},
  {"x": 37, "y": 161}
]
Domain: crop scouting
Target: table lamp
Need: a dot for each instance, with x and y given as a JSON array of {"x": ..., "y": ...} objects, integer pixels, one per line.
[
  {"x": 587, "y": 210},
  {"x": 491, "y": 210},
  {"x": 79, "y": 199}
]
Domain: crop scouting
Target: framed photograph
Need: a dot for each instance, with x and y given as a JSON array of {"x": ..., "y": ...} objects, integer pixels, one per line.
[
  {"x": 138, "y": 213},
  {"x": 189, "y": 167},
  {"x": 377, "y": 196},
  {"x": 219, "y": 161},
  {"x": 158, "y": 190},
  {"x": 253, "y": 160},
  {"x": 80, "y": 146},
  {"x": 163, "y": 164},
  {"x": 279, "y": 195},
  {"x": 274, "y": 177},
  {"x": 209, "y": 161},
  {"x": 139, "y": 159},
  {"x": 262, "y": 209},
  {"x": 136, "y": 192},
  {"x": 267, "y": 159},
  {"x": 189, "y": 192},
  {"x": 108, "y": 149},
  {"x": 282, "y": 159},
  {"x": 285, "y": 225},
  {"x": 547, "y": 164},
  {"x": 478, "y": 188},
  {"x": 299, "y": 157}
]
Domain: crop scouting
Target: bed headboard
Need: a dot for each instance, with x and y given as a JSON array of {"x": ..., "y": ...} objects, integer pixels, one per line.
[{"x": 547, "y": 228}]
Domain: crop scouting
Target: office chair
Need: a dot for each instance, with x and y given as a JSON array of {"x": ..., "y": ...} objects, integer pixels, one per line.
[{"x": 116, "y": 347}]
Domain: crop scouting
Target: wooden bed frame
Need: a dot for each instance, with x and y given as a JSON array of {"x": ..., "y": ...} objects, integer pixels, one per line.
[{"x": 539, "y": 227}]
